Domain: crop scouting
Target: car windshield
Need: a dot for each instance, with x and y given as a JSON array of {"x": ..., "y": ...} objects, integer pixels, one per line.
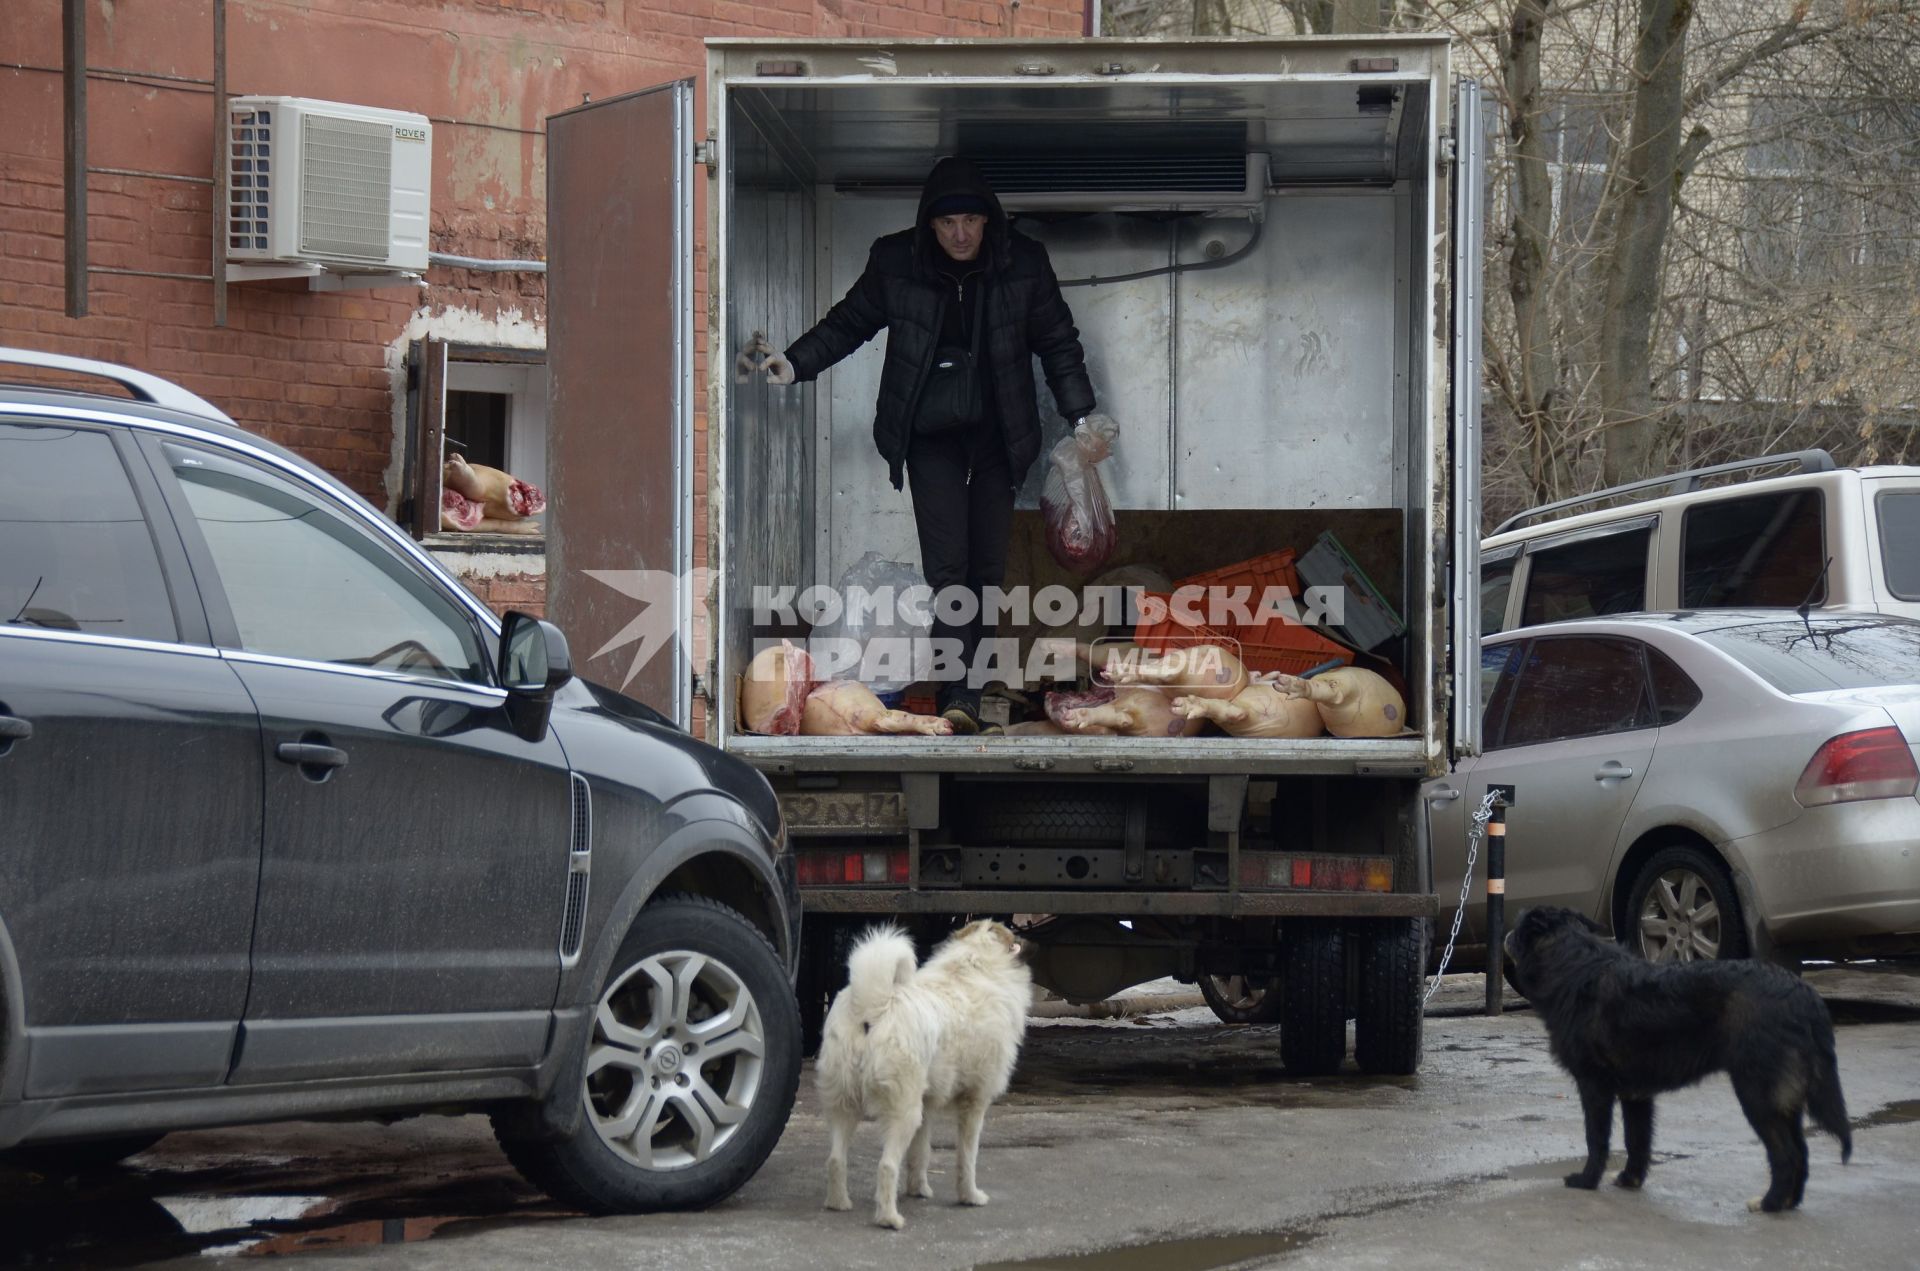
[{"x": 1813, "y": 657}]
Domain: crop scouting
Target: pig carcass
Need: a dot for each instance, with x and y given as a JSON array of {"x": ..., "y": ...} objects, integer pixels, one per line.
[
  {"x": 1353, "y": 701},
  {"x": 1261, "y": 710},
  {"x": 505, "y": 497},
  {"x": 1128, "y": 711},
  {"x": 458, "y": 512},
  {"x": 773, "y": 692},
  {"x": 847, "y": 708}
]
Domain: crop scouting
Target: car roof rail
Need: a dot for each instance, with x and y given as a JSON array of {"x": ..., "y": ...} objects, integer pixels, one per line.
[
  {"x": 1678, "y": 483},
  {"x": 143, "y": 387}
]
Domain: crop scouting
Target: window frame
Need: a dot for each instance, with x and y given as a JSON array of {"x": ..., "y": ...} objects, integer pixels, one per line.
[
  {"x": 1880, "y": 536},
  {"x": 1591, "y": 111},
  {"x": 177, "y": 580},
  {"x": 1647, "y": 655},
  {"x": 1511, "y": 555},
  {"x": 1706, "y": 505},
  {"x": 433, "y": 365},
  {"x": 1517, "y": 670},
  {"x": 224, "y": 631},
  {"x": 1493, "y": 721},
  {"x": 1650, "y": 522}
]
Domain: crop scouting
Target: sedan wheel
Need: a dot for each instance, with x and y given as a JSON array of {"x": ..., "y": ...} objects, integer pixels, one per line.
[
  {"x": 676, "y": 1060},
  {"x": 1683, "y": 909}
]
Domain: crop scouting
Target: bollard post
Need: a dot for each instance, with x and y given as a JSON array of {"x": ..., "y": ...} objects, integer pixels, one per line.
[{"x": 1496, "y": 907}]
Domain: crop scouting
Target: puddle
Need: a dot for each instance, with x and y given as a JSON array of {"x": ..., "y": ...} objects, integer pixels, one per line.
[
  {"x": 1195, "y": 1253},
  {"x": 1905, "y": 1112},
  {"x": 126, "y": 1217}
]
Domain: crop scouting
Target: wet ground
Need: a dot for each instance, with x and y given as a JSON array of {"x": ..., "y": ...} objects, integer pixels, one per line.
[{"x": 1169, "y": 1143}]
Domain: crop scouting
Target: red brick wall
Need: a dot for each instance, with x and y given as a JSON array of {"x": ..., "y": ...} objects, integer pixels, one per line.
[{"x": 525, "y": 592}]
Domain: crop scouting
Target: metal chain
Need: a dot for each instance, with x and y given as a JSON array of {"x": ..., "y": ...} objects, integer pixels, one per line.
[{"x": 1475, "y": 833}]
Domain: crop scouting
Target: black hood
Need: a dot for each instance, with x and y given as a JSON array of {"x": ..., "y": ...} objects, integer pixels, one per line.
[{"x": 958, "y": 176}]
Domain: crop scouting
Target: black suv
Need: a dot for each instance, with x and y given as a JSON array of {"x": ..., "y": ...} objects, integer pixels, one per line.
[{"x": 291, "y": 826}]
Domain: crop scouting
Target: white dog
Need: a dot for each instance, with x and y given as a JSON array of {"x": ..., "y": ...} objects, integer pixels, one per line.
[{"x": 902, "y": 1042}]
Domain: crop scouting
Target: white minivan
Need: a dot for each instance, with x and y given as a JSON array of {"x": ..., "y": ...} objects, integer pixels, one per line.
[{"x": 1845, "y": 539}]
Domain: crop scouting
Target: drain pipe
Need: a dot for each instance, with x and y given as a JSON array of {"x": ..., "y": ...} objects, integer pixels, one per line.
[{"x": 486, "y": 266}]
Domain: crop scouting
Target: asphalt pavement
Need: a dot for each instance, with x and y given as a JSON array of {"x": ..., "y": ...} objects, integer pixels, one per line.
[{"x": 1166, "y": 1143}]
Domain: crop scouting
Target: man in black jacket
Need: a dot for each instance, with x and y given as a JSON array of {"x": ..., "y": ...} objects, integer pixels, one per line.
[{"x": 961, "y": 278}]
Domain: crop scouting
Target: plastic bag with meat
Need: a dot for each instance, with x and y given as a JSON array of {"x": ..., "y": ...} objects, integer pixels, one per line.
[{"x": 1080, "y": 529}]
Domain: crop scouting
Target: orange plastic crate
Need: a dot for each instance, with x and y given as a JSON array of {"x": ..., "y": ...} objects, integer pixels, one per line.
[
  {"x": 1275, "y": 569},
  {"x": 1276, "y": 645}
]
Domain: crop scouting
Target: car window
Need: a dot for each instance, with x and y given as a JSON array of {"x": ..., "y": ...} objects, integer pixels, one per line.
[
  {"x": 1496, "y": 583},
  {"x": 1674, "y": 692},
  {"x": 1823, "y": 654},
  {"x": 1578, "y": 687},
  {"x": 1588, "y": 578},
  {"x": 1900, "y": 542},
  {"x": 1757, "y": 551},
  {"x": 75, "y": 550},
  {"x": 1498, "y": 666},
  {"x": 304, "y": 582}
]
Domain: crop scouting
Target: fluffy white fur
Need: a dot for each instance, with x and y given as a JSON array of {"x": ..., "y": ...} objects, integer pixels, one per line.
[{"x": 903, "y": 1042}]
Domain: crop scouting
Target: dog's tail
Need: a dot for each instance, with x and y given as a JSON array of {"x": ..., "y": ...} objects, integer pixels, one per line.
[
  {"x": 881, "y": 963},
  {"x": 1825, "y": 1102}
]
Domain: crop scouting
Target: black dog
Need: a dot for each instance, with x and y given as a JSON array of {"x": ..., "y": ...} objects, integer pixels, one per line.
[{"x": 1628, "y": 1029}]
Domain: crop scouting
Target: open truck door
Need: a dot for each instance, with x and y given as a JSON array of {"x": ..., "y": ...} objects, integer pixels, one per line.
[
  {"x": 1468, "y": 227},
  {"x": 620, "y": 391}
]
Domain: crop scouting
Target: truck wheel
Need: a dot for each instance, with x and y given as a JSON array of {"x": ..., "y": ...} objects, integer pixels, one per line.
[
  {"x": 689, "y": 1075},
  {"x": 1242, "y": 999},
  {"x": 1313, "y": 998},
  {"x": 1392, "y": 1006}
]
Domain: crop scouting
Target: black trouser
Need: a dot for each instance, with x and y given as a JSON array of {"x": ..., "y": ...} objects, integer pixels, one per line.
[{"x": 964, "y": 514}]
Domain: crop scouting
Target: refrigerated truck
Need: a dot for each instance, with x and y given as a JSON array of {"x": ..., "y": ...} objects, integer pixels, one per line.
[{"x": 1272, "y": 249}]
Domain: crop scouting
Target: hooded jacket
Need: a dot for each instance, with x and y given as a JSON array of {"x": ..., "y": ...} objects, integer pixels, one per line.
[{"x": 903, "y": 290}]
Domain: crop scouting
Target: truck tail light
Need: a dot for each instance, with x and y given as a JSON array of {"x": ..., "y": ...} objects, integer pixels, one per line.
[
  {"x": 837, "y": 868},
  {"x": 1874, "y": 763},
  {"x": 1316, "y": 873}
]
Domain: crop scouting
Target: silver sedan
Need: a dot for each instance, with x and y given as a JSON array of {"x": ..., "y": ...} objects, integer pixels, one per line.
[{"x": 1708, "y": 784}]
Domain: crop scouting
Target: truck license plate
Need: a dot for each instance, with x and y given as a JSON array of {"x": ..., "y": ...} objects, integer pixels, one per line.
[{"x": 845, "y": 812}]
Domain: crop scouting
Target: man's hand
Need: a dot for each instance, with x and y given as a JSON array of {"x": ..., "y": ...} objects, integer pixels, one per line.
[{"x": 759, "y": 356}]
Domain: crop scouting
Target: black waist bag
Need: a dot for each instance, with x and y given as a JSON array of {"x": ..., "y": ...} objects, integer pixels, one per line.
[{"x": 953, "y": 397}]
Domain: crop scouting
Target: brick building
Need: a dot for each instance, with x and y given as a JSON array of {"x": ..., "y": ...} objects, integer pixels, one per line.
[{"x": 326, "y": 372}]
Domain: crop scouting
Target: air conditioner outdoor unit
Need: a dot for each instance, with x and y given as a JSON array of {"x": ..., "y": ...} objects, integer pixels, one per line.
[{"x": 317, "y": 182}]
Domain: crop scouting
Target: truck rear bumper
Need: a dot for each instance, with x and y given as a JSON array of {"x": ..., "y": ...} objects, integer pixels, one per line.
[{"x": 1292, "y": 904}]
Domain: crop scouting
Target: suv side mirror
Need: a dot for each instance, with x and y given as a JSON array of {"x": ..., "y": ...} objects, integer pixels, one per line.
[{"x": 534, "y": 664}]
